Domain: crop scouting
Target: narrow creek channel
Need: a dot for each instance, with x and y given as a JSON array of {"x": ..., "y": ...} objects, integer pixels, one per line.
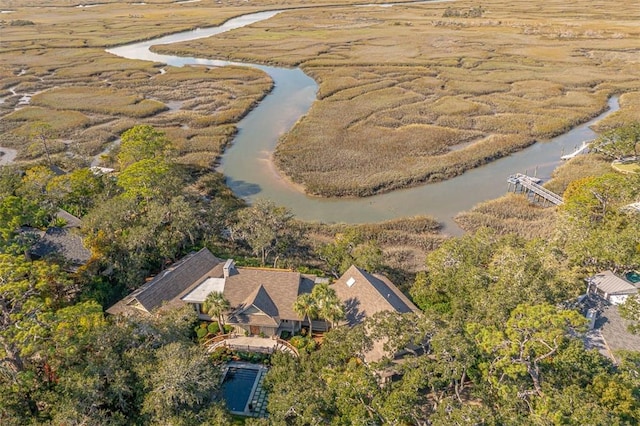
[{"x": 251, "y": 175}]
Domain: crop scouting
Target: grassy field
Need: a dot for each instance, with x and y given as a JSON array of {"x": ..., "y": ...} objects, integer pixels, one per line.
[
  {"x": 510, "y": 214},
  {"x": 406, "y": 95},
  {"x": 54, "y": 54},
  {"x": 409, "y": 96},
  {"x": 404, "y": 242}
]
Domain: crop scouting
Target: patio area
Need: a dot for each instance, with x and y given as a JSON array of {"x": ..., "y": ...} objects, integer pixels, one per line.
[{"x": 264, "y": 345}]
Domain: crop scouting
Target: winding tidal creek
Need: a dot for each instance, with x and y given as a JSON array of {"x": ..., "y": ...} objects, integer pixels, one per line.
[{"x": 251, "y": 174}]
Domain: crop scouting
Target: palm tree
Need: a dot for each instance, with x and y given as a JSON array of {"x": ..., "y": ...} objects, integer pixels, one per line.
[
  {"x": 215, "y": 305},
  {"x": 330, "y": 307},
  {"x": 334, "y": 312},
  {"x": 305, "y": 306}
]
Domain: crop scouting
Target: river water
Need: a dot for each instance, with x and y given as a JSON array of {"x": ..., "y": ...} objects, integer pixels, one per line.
[{"x": 251, "y": 175}]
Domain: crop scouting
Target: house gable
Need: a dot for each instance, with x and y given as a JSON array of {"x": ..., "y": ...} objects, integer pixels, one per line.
[
  {"x": 365, "y": 294},
  {"x": 259, "y": 300},
  {"x": 272, "y": 291}
]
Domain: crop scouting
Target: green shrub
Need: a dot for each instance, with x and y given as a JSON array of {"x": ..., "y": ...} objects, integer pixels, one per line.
[
  {"x": 221, "y": 355},
  {"x": 213, "y": 328},
  {"x": 298, "y": 342},
  {"x": 310, "y": 346},
  {"x": 228, "y": 328},
  {"x": 201, "y": 333}
]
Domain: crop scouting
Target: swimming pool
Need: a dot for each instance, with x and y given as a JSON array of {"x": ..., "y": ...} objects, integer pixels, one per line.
[
  {"x": 237, "y": 387},
  {"x": 633, "y": 277}
]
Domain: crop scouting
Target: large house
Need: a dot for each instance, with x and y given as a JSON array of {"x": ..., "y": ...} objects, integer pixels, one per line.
[{"x": 261, "y": 299}]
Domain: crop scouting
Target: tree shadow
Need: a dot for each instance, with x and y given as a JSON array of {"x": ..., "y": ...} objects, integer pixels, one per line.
[
  {"x": 242, "y": 188},
  {"x": 352, "y": 311}
]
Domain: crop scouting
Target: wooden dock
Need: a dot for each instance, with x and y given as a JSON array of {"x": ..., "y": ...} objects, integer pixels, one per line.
[{"x": 521, "y": 183}]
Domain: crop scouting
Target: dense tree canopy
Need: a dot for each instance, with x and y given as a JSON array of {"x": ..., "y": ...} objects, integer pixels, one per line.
[
  {"x": 268, "y": 229},
  {"x": 620, "y": 143}
]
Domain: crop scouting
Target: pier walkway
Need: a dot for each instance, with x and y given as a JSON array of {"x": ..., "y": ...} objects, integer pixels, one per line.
[{"x": 530, "y": 185}]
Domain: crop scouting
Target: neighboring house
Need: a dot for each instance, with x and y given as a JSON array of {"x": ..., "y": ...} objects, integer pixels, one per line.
[
  {"x": 611, "y": 287},
  {"x": 608, "y": 332},
  {"x": 62, "y": 241},
  {"x": 162, "y": 290}
]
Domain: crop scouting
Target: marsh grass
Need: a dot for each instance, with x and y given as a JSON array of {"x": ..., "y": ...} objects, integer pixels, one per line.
[
  {"x": 90, "y": 97},
  {"x": 405, "y": 242},
  {"x": 577, "y": 168},
  {"x": 406, "y": 96},
  {"x": 102, "y": 101},
  {"x": 629, "y": 112},
  {"x": 60, "y": 121},
  {"x": 388, "y": 76},
  {"x": 510, "y": 214}
]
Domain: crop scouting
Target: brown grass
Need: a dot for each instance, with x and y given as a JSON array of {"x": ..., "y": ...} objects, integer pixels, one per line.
[
  {"x": 387, "y": 76},
  {"x": 90, "y": 97},
  {"x": 102, "y": 101},
  {"x": 629, "y": 112},
  {"x": 404, "y": 242},
  {"x": 59, "y": 121},
  {"x": 577, "y": 168},
  {"x": 511, "y": 214}
]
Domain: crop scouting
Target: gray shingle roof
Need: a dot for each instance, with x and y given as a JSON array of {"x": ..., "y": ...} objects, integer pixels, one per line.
[
  {"x": 611, "y": 284},
  {"x": 170, "y": 283},
  {"x": 261, "y": 300},
  {"x": 365, "y": 294},
  {"x": 65, "y": 241}
]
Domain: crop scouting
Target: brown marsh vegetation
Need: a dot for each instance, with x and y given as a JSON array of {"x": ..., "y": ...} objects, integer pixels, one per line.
[
  {"x": 404, "y": 242},
  {"x": 408, "y": 96},
  {"x": 53, "y": 52},
  {"x": 87, "y": 97},
  {"x": 405, "y": 95},
  {"x": 514, "y": 213}
]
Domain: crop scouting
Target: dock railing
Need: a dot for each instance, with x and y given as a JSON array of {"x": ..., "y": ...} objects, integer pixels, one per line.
[{"x": 524, "y": 183}]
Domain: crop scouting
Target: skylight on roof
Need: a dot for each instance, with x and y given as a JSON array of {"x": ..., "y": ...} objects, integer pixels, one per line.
[{"x": 351, "y": 281}]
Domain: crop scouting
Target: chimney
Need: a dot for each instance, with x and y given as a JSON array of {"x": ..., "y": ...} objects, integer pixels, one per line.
[{"x": 229, "y": 265}]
